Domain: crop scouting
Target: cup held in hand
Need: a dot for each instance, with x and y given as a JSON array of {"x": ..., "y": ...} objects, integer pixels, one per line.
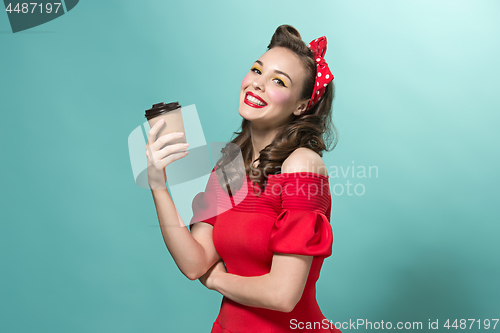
[{"x": 171, "y": 113}]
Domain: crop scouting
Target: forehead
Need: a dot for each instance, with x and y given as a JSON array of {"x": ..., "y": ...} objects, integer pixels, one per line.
[{"x": 284, "y": 60}]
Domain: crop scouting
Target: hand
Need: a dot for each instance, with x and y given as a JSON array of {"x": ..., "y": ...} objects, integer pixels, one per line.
[
  {"x": 157, "y": 161},
  {"x": 208, "y": 278}
]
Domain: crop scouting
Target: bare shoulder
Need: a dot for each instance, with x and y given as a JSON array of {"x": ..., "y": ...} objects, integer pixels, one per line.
[{"x": 304, "y": 160}]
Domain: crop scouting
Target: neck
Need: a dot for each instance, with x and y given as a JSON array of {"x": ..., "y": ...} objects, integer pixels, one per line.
[{"x": 260, "y": 139}]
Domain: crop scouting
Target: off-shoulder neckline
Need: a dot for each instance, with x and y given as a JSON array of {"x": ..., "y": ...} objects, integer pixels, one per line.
[{"x": 290, "y": 174}]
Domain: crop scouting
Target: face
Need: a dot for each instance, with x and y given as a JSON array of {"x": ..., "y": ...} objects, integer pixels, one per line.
[{"x": 273, "y": 85}]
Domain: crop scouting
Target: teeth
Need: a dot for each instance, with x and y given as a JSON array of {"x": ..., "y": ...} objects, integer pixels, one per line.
[{"x": 254, "y": 100}]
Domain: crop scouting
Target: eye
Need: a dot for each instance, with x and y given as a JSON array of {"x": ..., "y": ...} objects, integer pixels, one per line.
[
  {"x": 256, "y": 69},
  {"x": 280, "y": 82}
]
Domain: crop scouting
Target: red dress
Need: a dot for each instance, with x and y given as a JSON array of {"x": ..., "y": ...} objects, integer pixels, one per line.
[{"x": 291, "y": 216}]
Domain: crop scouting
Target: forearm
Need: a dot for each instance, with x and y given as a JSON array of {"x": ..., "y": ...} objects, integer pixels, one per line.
[
  {"x": 257, "y": 291},
  {"x": 188, "y": 254}
]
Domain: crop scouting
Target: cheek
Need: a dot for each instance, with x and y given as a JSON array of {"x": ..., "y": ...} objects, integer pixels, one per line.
[
  {"x": 246, "y": 81},
  {"x": 279, "y": 96}
]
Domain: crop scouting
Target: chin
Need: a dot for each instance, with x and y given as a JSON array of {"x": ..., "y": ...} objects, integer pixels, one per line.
[{"x": 244, "y": 113}]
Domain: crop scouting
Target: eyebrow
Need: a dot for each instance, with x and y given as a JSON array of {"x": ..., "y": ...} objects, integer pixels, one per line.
[{"x": 277, "y": 71}]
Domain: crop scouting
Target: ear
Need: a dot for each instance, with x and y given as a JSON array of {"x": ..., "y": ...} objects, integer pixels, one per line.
[{"x": 301, "y": 108}]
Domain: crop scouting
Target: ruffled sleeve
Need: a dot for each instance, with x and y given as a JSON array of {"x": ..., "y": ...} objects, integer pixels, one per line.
[
  {"x": 204, "y": 204},
  {"x": 303, "y": 226}
]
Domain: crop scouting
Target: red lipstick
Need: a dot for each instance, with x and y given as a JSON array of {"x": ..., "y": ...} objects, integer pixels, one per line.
[{"x": 247, "y": 102}]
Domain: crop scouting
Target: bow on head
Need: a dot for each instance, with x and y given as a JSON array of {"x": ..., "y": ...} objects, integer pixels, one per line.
[{"x": 323, "y": 74}]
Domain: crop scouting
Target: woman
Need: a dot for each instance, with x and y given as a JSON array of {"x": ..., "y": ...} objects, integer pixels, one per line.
[{"x": 264, "y": 254}]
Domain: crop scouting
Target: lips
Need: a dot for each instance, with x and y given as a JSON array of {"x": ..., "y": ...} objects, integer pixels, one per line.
[{"x": 247, "y": 102}]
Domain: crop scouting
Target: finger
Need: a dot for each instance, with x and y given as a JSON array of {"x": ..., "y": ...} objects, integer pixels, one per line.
[
  {"x": 154, "y": 130},
  {"x": 174, "y": 157},
  {"x": 152, "y": 137},
  {"x": 166, "y": 139},
  {"x": 170, "y": 149}
]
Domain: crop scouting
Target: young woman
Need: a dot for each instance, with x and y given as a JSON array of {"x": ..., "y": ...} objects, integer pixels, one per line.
[{"x": 263, "y": 254}]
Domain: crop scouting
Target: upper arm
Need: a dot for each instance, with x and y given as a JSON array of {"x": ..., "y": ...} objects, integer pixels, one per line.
[
  {"x": 304, "y": 160},
  {"x": 289, "y": 274},
  {"x": 202, "y": 233}
]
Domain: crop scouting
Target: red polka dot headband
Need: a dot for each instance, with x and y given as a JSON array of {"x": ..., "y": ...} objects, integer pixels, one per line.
[{"x": 323, "y": 74}]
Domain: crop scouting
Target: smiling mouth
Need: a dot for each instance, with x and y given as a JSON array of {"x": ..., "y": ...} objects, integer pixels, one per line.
[{"x": 253, "y": 101}]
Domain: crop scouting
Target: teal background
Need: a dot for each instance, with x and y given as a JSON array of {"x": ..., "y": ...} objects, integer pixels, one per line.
[{"x": 80, "y": 246}]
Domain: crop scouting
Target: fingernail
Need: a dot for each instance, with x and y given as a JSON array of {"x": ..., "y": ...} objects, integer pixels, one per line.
[{"x": 180, "y": 134}]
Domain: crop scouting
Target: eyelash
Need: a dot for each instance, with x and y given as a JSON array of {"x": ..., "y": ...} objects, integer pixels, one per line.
[{"x": 282, "y": 83}]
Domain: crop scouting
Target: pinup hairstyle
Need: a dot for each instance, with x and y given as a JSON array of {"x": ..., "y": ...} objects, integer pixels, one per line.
[{"x": 313, "y": 129}]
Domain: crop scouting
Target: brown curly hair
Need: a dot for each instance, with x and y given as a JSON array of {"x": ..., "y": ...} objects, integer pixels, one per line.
[{"x": 313, "y": 129}]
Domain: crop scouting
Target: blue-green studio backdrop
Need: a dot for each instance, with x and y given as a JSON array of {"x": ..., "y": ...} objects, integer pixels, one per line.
[{"x": 80, "y": 246}]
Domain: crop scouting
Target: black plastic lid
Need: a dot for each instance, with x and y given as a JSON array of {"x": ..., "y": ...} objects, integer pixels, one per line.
[{"x": 161, "y": 108}]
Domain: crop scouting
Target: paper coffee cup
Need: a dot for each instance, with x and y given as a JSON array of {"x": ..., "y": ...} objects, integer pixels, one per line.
[{"x": 171, "y": 113}]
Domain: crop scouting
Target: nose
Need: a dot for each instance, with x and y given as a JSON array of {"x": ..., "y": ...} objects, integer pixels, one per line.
[{"x": 258, "y": 84}]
